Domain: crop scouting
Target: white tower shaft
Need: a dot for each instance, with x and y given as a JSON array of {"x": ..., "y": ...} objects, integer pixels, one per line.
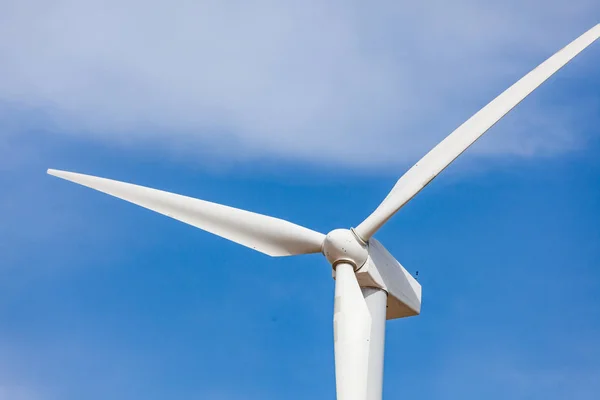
[
  {"x": 376, "y": 300},
  {"x": 352, "y": 331}
]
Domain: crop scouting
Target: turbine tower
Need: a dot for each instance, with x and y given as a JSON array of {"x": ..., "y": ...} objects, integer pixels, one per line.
[{"x": 371, "y": 286}]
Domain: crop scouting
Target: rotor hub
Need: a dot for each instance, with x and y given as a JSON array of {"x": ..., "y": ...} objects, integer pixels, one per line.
[{"x": 342, "y": 245}]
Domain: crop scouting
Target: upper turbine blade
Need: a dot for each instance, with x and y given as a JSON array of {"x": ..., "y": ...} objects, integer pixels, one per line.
[
  {"x": 465, "y": 135},
  {"x": 268, "y": 235}
]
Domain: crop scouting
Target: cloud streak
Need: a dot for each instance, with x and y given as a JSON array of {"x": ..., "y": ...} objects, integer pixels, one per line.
[{"x": 317, "y": 81}]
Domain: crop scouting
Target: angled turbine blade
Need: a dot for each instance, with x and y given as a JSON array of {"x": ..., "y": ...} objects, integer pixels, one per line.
[
  {"x": 458, "y": 141},
  {"x": 268, "y": 235},
  {"x": 352, "y": 332}
]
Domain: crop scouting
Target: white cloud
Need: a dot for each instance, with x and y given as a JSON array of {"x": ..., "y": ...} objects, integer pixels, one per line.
[{"x": 335, "y": 81}]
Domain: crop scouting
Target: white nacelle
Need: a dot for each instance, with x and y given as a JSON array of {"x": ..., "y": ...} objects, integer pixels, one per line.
[
  {"x": 383, "y": 271},
  {"x": 375, "y": 267}
]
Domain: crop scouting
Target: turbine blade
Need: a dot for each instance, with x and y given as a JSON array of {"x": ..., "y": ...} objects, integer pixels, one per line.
[
  {"x": 352, "y": 331},
  {"x": 424, "y": 171},
  {"x": 268, "y": 235}
]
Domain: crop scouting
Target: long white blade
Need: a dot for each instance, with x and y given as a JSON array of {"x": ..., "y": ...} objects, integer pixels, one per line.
[
  {"x": 352, "y": 331},
  {"x": 268, "y": 235},
  {"x": 458, "y": 141}
]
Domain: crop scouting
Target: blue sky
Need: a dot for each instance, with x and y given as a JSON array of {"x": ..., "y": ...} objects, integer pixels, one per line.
[{"x": 101, "y": 299}]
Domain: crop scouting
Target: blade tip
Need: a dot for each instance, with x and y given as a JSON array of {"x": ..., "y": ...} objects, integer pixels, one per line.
[{"x": 58, "y": 173}]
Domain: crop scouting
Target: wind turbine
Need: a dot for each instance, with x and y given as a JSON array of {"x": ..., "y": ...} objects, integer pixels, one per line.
[{"x": 371, "y": 286}]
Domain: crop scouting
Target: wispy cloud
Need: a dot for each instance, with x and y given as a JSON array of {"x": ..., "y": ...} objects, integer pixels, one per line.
[{"x": 314, "y": 81}]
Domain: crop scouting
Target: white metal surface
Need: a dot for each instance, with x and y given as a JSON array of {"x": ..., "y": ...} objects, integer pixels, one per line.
[
  {"x": 351, "y": 331},
  {"x": 376, "y": 300},
  {"x": 458, "y": 141},
  {"x": 343, "y": 245},
  {"x": 268, "y": 235},
  {"x": 383, "y": 271}
]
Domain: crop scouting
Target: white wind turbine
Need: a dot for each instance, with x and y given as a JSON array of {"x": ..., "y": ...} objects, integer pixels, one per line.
[{"x": 371, "y": 285}]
